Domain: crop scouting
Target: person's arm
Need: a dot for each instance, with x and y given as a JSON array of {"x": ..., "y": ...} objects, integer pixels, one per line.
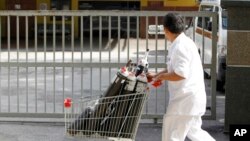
[
  {"x": 161, "y": 72},
  {"x": 151, "y": 75},
  {"x": 169, "y": 77}
]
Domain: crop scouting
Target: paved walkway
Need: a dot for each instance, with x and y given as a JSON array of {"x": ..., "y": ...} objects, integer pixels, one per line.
[{"x": 43, "y": 132}]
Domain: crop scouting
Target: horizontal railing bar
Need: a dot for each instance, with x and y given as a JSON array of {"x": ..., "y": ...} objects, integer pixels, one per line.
[
  {"x": 5, "y": 117},
  {"x": 98, "y": 13},
  {"x": 70, "y": 64},
  {"x": 158, "y": 116},
  {"x": 33, "y": 115}
]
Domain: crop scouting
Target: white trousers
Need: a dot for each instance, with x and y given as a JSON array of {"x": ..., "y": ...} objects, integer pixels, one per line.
[{"x": 177, "y": 128}]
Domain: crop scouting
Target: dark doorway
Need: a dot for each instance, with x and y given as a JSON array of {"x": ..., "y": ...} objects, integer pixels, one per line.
[{"x": 21, "y": 5}]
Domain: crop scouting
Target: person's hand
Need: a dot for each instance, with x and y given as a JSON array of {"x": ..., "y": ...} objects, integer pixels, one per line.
[
  {"x": 150, "y": 76},
  {"x": 157, "y": 81},
  {"x": 155, "y": 78}
]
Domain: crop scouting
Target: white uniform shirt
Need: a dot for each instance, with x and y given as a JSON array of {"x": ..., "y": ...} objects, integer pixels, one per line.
[{"x": 187, "y": 96}]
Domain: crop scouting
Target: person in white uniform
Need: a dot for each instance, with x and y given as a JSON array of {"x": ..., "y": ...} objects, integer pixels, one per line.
[{"x": 187, "y": 96}]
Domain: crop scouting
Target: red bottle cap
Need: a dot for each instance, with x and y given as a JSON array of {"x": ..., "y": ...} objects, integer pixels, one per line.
[
  {"x": 123, "y": 69},
  {"x": 67, "y": 102},
  {"x": 157, "y": 83}
]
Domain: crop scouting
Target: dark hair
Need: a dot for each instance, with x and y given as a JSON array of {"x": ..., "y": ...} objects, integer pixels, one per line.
[{"x": 174, "y": 23}]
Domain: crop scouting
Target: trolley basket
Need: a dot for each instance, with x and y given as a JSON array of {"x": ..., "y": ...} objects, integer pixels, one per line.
[{"x": 112, "y": 118}]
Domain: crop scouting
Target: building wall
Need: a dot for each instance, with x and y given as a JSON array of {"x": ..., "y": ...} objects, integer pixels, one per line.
[
  {"x": 165, "y": 5},
  {"x": 4, "y": 3},
  {"x": 74, "y": 6},
  {"x": 237, "y": 106},
  {"x": 11, "y": 5},
  {"x": 162, "y": 5}
]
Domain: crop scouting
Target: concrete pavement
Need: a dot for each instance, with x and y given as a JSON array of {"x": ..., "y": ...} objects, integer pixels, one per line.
[{"x": 43, "y": 132}]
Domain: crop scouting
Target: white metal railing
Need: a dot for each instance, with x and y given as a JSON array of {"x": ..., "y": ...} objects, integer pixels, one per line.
[{"x": 46, "y": 56}]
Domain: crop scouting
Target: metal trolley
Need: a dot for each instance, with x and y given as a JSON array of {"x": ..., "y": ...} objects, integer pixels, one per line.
[{"x": 110, "y": 118}]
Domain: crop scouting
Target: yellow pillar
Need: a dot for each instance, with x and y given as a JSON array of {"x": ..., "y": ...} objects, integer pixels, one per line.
[
  {"x": 3, "y": 21},
  {"x": 38, "y": 4},
  {"x": 181, "y": 3},
  {"x": 2, "y": 4},
  {"x": 144, "y": 3},
  {"x": 74, "y": 6}
]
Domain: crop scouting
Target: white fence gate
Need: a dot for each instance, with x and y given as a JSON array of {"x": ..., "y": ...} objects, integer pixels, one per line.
[{"x": 57, "y": 54}]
